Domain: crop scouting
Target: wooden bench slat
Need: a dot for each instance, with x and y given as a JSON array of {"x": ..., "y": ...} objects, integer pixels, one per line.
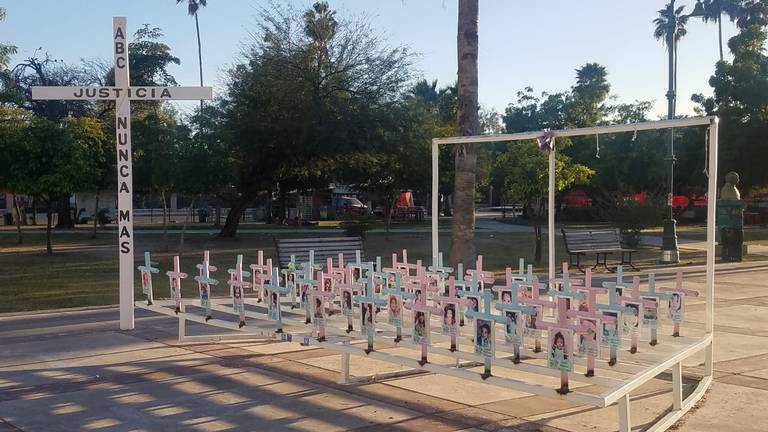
[{"x": 323, "y": 247}]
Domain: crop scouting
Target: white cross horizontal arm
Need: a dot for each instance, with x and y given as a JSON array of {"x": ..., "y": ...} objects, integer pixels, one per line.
[{"x": 112, "y": 93}]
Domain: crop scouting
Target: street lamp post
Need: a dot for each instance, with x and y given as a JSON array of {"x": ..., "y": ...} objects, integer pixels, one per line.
[{"x": 669, "y": 249}]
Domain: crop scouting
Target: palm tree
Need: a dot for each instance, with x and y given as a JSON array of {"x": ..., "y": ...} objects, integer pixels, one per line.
[
  {"x": 752, "y": 12},
  {"x": 192, "y": 7},
  {"x": 6, "y": 51},
  {"x": 670, "y": 28},
  {"x": 463, "y": 227},
  {"x": 714, "y": 11}
]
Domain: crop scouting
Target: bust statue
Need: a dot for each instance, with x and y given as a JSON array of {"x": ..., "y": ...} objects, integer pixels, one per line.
[{"x": 729, "y": 191}]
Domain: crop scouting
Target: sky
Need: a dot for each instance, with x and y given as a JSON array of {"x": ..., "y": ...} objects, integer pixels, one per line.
[{"x": 537, "y": 43}]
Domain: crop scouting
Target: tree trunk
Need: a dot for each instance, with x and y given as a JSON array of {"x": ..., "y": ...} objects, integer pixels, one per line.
[
  {"x": 235, "y": 213},
  {"x": 184, "y": 227},
  {"x": 95, "y": 215},
  {"x": 48, "y": 230},
  {"x": 463, "y": 230},
  {"x": 65, "y": 214},
  {"x": 268, "y": 217},
  {"x": 165, "y": 221},
  {"x": 19, "y": 216},
  {"x": 217, "y": 224},
  {"x": 283, "y": 206},
  {"x": 388, "y": 212},
  {"x": 537, "y": 243},
  {"x": 720, "y": 34},
  {"x": 34, "y": 212}
]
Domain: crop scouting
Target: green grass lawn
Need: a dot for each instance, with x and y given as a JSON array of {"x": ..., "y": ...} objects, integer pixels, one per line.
[{"x": 84, "y": 271}]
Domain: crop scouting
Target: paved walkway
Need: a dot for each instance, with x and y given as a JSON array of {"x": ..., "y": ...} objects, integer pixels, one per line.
[{"x": 72, "y": 371}]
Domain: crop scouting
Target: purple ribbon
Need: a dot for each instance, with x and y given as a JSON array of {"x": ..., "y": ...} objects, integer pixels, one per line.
[{"x": 546, "y": 141}]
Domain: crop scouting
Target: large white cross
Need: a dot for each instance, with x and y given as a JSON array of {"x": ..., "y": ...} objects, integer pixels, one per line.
[{"x": 122, "y": 93}]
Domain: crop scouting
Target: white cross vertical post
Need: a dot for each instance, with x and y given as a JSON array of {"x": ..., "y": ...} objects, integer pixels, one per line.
[
  {"x": 122, "y": 93},
  {"x": 551, "y": 214},
  {"x": 124, "y": 173}
]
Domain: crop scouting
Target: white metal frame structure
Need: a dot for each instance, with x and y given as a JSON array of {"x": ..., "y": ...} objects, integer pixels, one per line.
[
  {"x": 679, "y": 406},
  {"x": 616, "y": 382}
]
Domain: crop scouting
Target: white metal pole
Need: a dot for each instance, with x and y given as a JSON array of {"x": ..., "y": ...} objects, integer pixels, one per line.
[
  {"x": 711, "y": 226},
  {"x": 551, "y": 214},
  {"x": 124, "y": 173},
  {"x": 435, "y": 196}
]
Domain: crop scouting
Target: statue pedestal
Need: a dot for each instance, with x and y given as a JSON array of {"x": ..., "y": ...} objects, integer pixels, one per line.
[{"x": 730, "y": 221}]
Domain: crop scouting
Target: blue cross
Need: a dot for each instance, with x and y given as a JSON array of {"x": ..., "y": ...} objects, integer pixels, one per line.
[
  {"x": 369, "y": 298},
  {"x": 273, "y": 287}
]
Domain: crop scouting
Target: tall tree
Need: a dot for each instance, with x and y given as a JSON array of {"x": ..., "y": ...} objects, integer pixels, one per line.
[
  {"x": 47, "y": 71},
  {"x": 753, "y": 13},
  {"x": 315, "y": 87},
  {"x": 714, "y": 11},
  {"x": 670, "y": 28},
  {"x": 49, "y": 161},
  {"x": 588, "y": 96},
  {"x": 463, "y": 227},
  {"x": 6, "y": 50},
  {"x": 193, "y": 6},
  {"x": 741, "y": 101},
  {"x": 523, "y": 171}
]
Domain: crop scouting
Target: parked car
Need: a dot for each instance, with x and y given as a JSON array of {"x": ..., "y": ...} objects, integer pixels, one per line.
[{"x": 349, "y": 205}]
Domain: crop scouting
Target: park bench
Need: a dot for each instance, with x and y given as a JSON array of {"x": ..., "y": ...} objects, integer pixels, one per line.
[
  {"x": 601, "y": 242},
  {"x": 324, "y": 247}
]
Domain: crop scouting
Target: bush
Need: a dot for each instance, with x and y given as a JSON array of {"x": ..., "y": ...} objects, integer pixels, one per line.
[
  {"x": 631, "y": 217},
  {"x": 356, "y": 226}
]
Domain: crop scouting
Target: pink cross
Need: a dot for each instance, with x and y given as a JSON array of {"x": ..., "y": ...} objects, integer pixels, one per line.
[
  {"x": 676, "y": 307},
  {"x": 479, "y": 274},
  {"x": 348, "y": 289},
  {"x": 588, "y": 311},
  {"x": 319, "y": 296},
  {"x": 421, "y": 313},
  {"x": 204, "y": 282},
  {"x": 591, "y": 292},
  {"x": 558, "y": 282},
  {"x": 262, "y": 272},
  {"x": 560, "y": 356},
  {"x": 237, "y": 289},
  {"x": 636, "y": 303},
  {"x": 450, "y": 324},
  {"x": 175, "y": 276},
  {"x": 531, "y": 298}
]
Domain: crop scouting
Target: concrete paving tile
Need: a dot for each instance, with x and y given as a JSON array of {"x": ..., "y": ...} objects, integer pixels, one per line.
[
  {"x": 459, "y": 390},
  {"x": 308, "y": 354},
  {"x": 731, "y": 346},
  {"x": 275, "y": 348},
  {"x": 402, "y": 397},
  {"x": 762, "y": 373},
  {"x": 742, "y": 365},
  {"x": 358, "y": 366},
  {"x": 645, "y": 410},
  {"x": 728, "y": 408},
  {"x": 528, "y": 406},
  {"x": 72, "y": 348},
  {"x": 744, "y": 316},
  {"x": 340, "y": 411},
  {"x": 745, "y": 381},
  {"x": 518, "y": 425},
  {"x": 511, "y": 373},
  {"x": 473, "y": 416},
  {"x": 420, "y": 424}
]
